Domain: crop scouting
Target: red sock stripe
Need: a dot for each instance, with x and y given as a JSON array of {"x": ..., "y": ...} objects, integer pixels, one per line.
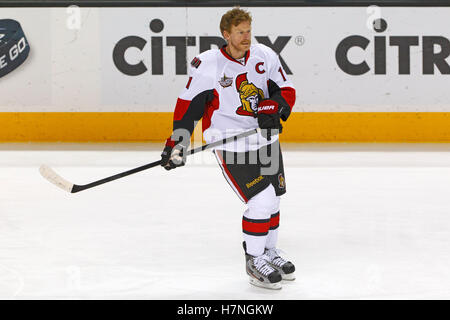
[
  {"x": 274, "y": 220},
  {"x": 255, "y": 227}
]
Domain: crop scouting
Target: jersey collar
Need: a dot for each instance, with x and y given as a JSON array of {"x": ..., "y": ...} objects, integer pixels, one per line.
[{"x": 224, "y": 52}]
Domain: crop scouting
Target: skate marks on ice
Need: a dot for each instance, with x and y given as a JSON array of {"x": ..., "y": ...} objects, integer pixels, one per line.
[
  {"x": 11, "y": 282},
  {"x": 352, "y": 228}
]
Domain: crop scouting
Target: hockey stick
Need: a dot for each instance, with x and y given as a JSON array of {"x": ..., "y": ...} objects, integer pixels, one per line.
[{"x": 49, "y": 174}]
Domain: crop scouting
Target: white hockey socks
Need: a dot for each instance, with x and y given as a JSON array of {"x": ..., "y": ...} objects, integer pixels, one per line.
[{"x": 260, "y": 223}]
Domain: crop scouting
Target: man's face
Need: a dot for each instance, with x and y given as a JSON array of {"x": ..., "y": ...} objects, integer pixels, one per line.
[
  {"x": 239, "y": 36},
  {"x": 253, "y": 100}
]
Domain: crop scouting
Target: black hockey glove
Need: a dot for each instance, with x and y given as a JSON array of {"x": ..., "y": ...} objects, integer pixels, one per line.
[
  {"x": 173, "y": 155},
  {"x": 268, "y": 117},
  {"x": 284, "y": 111}
]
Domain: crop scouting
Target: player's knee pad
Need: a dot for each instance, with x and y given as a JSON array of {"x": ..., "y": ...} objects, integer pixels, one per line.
[{"x": 264, "y": 204}]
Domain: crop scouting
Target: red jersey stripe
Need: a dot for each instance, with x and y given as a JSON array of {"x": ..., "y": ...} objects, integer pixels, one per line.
[
  {"x": 226, "y": 55},
  {"x": 219, "y": 154},
  {"x": 288, "y": 94},
  {"x": 210, "y": 107},
  {"x": 180, "y": 109}
]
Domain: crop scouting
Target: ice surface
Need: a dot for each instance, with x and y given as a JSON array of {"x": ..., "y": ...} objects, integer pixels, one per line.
[{"x": 359, "y": 222}]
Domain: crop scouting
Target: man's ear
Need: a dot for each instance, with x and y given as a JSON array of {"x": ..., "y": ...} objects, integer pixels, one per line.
[{"x": 226, "y": 35}]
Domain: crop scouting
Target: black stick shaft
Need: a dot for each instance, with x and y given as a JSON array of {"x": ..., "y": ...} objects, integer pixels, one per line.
[
  {"x": 77, "y": 188},
  {"x": 220, "y": 142}
]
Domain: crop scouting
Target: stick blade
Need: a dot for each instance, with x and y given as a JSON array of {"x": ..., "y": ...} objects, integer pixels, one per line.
[{"x": 49, "y": 174}]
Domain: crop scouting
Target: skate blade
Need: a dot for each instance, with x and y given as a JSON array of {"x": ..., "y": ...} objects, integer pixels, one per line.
[
  {"x": 272, "y": 286},
  {"x": 288, "y": 277}
]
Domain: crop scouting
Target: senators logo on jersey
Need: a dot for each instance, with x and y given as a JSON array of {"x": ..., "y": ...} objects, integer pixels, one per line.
[{"x": 249, "y": 95}]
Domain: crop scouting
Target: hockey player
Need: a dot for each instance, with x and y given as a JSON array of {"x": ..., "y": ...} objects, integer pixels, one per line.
[{"x": 235, "y": 89}]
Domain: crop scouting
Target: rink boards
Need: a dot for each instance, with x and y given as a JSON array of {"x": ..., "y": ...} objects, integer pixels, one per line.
[
  {"x": 114, "y": 74},
  {"x": 301, "y": 127}
]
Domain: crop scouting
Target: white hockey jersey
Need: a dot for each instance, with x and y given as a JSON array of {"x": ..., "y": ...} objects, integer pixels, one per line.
[{"x": 225, "y": 92}]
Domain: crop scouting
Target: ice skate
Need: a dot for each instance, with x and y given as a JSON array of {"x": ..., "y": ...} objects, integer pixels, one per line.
[
  {"x": 285, "y": 268},
  {"x": 261, "y": 273}
]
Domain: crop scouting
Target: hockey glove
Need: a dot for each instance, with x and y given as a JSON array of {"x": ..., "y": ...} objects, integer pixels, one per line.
[
  {"x": 284, "y": 111},
  {"x": 173, "y": 155},
  {"x": 268, "y": 117}
]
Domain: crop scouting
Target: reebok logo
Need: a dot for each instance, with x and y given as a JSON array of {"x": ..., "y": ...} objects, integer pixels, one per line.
[{"x": 253, "y": 182}]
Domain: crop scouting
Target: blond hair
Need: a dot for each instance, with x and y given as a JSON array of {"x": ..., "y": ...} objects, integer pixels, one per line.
[{"x": 234, "y": 17}]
